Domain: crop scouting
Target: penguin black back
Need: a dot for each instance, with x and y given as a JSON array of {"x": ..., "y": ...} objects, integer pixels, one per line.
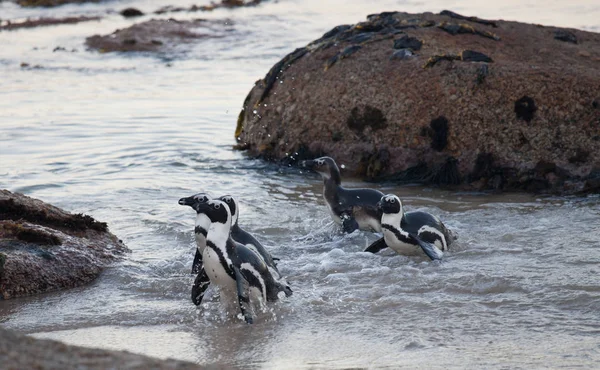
[{"x": 352, "y": 208}]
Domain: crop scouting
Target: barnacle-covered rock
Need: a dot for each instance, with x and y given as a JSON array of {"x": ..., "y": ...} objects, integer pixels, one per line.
[
  {"x": 43, "y": 248},
  {"x": 494, "y": 100}
]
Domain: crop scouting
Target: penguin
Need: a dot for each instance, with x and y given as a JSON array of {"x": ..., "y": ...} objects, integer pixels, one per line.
[
  {"x": 351, "y": 208},
  {"x": 411, "y": 232},
  {"x": 237, "y": 233},
  {"x": 242, "y": 236},
  {"x": 234, "y": 267},
  {"x": 201, "y": 227}
]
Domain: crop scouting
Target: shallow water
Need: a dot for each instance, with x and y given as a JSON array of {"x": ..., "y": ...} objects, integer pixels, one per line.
[{"x": 123, "y": 137}]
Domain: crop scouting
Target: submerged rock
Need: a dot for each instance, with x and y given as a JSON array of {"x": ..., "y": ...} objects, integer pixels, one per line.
[
  {"x": 38, "y": 22},
  {"x": 43, "y": 248},
  {"x": 158, "y": 35},
  {"x": 51, "y": 3},
  {"x": 228, "y": 4},
  {"x": 131, "y": 12},
  {"x": 480, "y": 104}
]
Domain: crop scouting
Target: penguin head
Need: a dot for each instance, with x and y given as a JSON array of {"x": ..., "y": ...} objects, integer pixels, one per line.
[
  {"x": 216, "y": 210},
  {"x": 390, "y": 204},
  {"x": 325, "y": 166},
  {"x": 195, "y": 200},
  {"x": 233, "y": 208}
]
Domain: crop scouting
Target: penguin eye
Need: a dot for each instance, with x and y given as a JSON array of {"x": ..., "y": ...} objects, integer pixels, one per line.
[
  {"x": 320, "y": 162},
  {"x": 217, "y": 206},
  {"x": 392, "y": 200}
]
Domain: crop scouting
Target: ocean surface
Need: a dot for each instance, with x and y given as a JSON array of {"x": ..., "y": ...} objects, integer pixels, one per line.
[{"x": 123, "y": 136}]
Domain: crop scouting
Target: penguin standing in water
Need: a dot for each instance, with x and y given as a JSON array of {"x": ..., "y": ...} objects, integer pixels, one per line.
[
  {"x": 201, "y": 227},
  {"x": 351, "y": 208},
  {"x": 233, "y": 267},
  {"x": 410, "y": 233},
  {"x": 242, "y": 236},
  {"x": 237, "y": 233}
]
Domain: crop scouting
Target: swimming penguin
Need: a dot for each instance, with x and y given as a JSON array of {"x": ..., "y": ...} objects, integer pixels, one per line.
[
  {"x": 234, "y": 267},
  {"x": 409, "y": 233},
  {"x": 352, "y": 208}
]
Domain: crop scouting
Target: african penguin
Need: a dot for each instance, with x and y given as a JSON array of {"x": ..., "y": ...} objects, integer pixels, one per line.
[
  {"x": 242, "y": 236},
  {"x": 412, "y": 232},
  {"x": 237, "y": 233},
  {"x": 233, "y": 267},
  {"x": 352, "y": 208},
  {"x": 200, "y": 231},
  {"x": 200, "y": 228}
]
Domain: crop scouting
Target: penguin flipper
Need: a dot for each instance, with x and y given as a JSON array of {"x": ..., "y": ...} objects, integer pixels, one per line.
[
  {"x": 377, "y": 246},
  {"x": 200, "y": 285},
  {"x": 243, "y": 299},
  {"x": 349, "y": 223},
  {"x": 197, "y": 264},
  {"x": 430, "y": 249}
]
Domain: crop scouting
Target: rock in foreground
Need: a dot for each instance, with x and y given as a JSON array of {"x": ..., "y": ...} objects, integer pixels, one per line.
[
  {"x": 23, "y": 352},
  {"x": 437, "y": 99},
  {"x": 43, "y": 248}
]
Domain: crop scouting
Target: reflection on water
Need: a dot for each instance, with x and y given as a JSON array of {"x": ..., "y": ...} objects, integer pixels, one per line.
[{"x": 123, "y": 137}]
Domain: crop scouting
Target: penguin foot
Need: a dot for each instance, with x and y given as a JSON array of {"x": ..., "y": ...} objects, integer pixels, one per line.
[
  {"x": 288, "y": 291},
  {"x": 349, "y": 224},
  {"x": 199, "y": 288}
]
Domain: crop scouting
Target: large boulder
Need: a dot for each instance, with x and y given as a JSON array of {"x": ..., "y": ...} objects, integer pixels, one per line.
[
  {"x": 437, "y": 98},
  {"x": 43, "y": 248}
]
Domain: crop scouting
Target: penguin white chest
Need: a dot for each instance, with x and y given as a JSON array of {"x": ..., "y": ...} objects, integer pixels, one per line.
[
  {"x": 365, "y": 221},
  {"x": 399, "y": 246},
  {"x": 335, "y": 217},
  {"x": 200, "y": 242},
  {"x": 216, "y": 271}
]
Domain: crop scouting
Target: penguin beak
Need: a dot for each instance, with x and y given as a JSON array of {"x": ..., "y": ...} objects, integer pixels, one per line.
[
  {"x": 309, "y": 164},
  {"x": 379, "y": 205},
  {"x": 189, "y": 201}
]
